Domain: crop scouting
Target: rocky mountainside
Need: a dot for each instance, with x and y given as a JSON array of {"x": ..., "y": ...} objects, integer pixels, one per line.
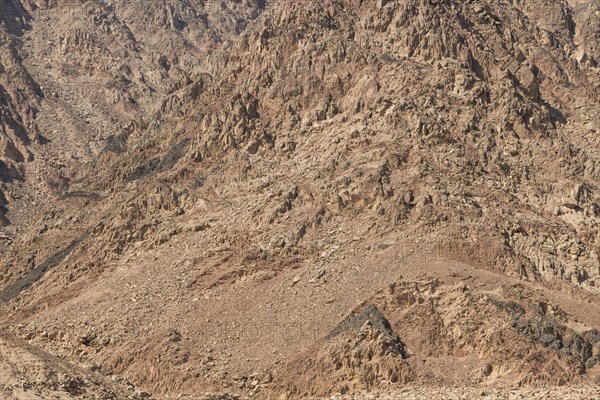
[
  {"x": 303, "y": 199},
  {"x": 78, "y": 74}
]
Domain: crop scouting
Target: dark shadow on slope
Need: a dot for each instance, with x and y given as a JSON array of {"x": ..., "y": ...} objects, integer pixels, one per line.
[
  {"x": 555, "y": 114},
  {"x": 116, "y": 144},
  {"x": 6, "y": 175},
  {"x": 156, "y": 165},
  {"x": 356, "y": 320},
  {"x": 14, "y": 290},
  {"x": 15, "y": 17}
]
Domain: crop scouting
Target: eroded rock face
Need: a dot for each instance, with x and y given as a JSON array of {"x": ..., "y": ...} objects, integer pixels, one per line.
[
  {"x": 437, "y": 320},
  {"x": 206, "y": 152},
  {"x": 486, "y": 335},
  {"x": 361, "y": 353},
  {"x": 76, "y": 74},
  {"x": 19, "y": 102},
  {"x": 488, "y": 105}
]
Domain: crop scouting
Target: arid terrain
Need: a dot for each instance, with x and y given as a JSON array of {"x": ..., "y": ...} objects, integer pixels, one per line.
[{"x": 334, "y": 199}]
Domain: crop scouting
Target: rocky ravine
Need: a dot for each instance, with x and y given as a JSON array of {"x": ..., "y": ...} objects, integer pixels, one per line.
[{"x": 349, "y": 196}]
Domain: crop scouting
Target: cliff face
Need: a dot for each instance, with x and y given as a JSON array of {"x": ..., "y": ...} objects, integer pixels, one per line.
[
  {"x": 19, "y": 101},
  {"x": 201, "y": 194}
]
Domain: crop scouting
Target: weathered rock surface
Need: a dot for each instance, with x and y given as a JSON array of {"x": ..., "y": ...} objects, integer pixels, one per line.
[{"x": 197, "y": 197}]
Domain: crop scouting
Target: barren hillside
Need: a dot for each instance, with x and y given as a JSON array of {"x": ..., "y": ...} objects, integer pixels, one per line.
[{"x": 302, "y": 199}]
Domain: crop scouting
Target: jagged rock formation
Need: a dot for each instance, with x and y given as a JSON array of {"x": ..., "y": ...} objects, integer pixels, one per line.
[
  {"x": 77, "y": 73},
  {"x": 19, "y": 101},
  {"x": 200, "y": 193},
  {"x": 364, "y": 354},
  {"x": 486, "y": 335}
]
